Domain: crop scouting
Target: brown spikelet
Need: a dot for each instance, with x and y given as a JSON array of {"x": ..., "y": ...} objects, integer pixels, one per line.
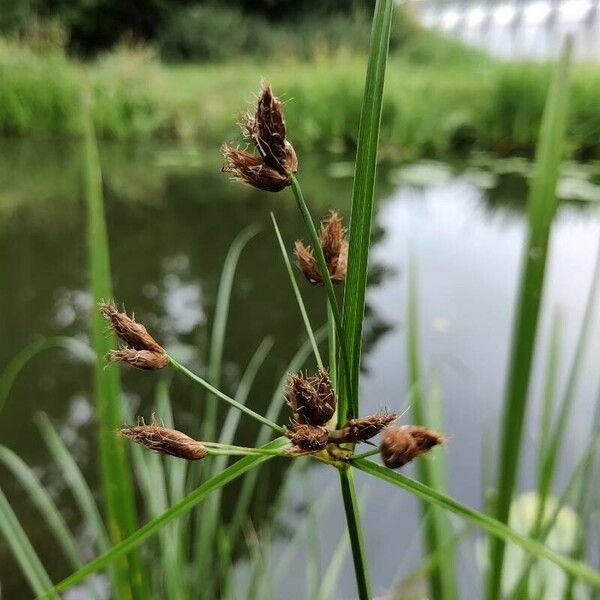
[
  {"x": 400, "y": 445},
  {"x": 140, "y": 359},
  {"x": 132, "y": 333},
  {"x": 363, "y": 429},
  {"x": 307, "y": 263},
  {"x": 272, "y": 167},
  {"x": 251, "y": 169},
  {"x": 266, "y": 128},
  {"x": 308, "y": 438},
  {"x": 166, "y": 441},
  {"x": 312, "y": 401},
  {"x": 335, "y": 251}
]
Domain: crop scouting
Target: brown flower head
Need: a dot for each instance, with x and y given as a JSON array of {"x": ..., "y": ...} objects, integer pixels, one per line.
[
  {"x": 164, "y": 440},
  {"x": 308, "y": 438},
  {"x": 400, "y": 445},
  {"x": 271, "y": 168},
  {"x": 335, "y": 251},
  {"x": 312, "y": 401},
  {"x": 252, "y": 170},
  {"x": 140, "y": 359},
  {"x": 363, "y": 429},
  {"x": 142, "y": 350},
  {"x": 266, "y": 129}
]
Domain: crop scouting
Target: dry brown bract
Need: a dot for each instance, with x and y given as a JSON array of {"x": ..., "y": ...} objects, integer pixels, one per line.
[
  {"x": 312, "y": 401},
  {"x": 400, "y": 445},
  {"x": 308, "y": 438},
  {"x": 142, "y": 350},
  {"x": 166, "y": 441},
  {"x": 272, "y": 168},
  {"x": 335, "y": 251}
]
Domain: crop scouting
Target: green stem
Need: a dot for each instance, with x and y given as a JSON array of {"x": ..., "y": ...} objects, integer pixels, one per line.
[
  {"x": 210, "y": 446},
  {"x": 366, "y": 454},
  {"x": 316, "y": 244},
  {"x": 299, "y": 300},
  {"x": 357, "y": 542},
  {"x": 219, "y": 394},
  {"x": 332, "y": 347}
]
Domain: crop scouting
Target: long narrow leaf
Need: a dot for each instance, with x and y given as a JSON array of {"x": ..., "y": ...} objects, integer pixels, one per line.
[
  {"x": 26, "y": 556},
  {"x": 115, "y": 472},
  {"x": 297, "y": 294},
  {"x": 153, "y": 526},
  {"x": 363, "y": 193},
  {"x": 485, "y": 522},
  {"x": 542, "y": 207},
  {"x": 442, "y": 581}
]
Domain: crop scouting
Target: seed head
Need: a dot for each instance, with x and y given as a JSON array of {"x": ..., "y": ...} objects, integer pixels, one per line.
[
  {"x": 140, "y": 359},
  {"x": 312, "y": 401},
  {"x": 308, "y": 438},
  {"x": 400, "y": 445},
  {"x": 272, "y": 167},
  {"x": 142, "y": 350},
  {"x": 363, "y": 429},
  {"x": 335, "y": 251},
  {"x": 252, "y": 170},
  {"x": 164, "y": 440},
  {"x": 266, "y": 129}
]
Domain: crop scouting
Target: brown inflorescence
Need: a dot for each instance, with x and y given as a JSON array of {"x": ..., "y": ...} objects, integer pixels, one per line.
[
  {"x": 313, "y": 400},
  {"x": 142, "y": 350},
  {"x": 165, "y": 440},
  {"x": 335, "y": 250},
  {"x": 400, "y": 445},
  {"x": 308, "y": 438},
  {"x": 140, "y": 359},
  {"x": 272, "y": 167},
  {"x": 362, "y": 429}
]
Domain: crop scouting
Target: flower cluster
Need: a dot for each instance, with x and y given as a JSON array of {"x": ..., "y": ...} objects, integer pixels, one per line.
[
  {"x": 274, "y": 162},
  {"x": 140, "y": 350},
  {"x": 335, "y": 250}
]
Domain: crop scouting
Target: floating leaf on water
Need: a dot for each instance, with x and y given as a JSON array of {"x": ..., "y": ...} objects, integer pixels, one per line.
[
  {"x": 480, "y": 178},
  {"x": 422, "y": 174},
  {"x": 341, "y": 169},
  {"x": 572, "y": 188},
  {"x": 514, "y": 164}
]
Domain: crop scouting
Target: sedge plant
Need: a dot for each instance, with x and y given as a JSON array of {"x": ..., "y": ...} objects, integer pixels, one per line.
[{"x": 326, "y": 421}]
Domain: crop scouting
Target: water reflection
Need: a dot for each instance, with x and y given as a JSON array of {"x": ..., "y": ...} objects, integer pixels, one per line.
[{"x": 170, "y": 224}]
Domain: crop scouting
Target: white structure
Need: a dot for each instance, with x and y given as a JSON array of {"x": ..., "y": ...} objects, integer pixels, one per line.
[{"x": 532, "y": 29}]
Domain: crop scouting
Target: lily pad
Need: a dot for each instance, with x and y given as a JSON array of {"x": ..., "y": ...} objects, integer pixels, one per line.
[{"x": 422, "y": 174}]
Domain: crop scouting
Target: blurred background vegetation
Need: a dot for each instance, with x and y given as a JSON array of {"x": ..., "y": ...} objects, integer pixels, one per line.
[{"x": 181, "y": 70}]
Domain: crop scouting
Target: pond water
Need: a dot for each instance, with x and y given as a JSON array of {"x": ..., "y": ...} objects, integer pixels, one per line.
[{"x": 171, "y": 216}]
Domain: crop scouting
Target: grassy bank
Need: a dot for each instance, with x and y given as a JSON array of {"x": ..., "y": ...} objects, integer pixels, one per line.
[{"x": 440, "y": 98}]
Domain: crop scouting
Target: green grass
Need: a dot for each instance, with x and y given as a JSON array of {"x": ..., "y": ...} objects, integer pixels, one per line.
[{"x": 440, "y": 102}]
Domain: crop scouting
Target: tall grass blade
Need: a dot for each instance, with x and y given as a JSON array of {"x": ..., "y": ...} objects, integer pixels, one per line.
[
  {"x": 22, "y": 549},
  {"x": 207, "y": 539},
  {"x": 442, "y": 578},
  {"x": 152, "y": 527},
  {"x": 358, "y": 256},
  {"x": 483, "y": 521},
  {"x": 46, "y": 506},
  {"x": 541, "y": 208},
  {"x": 297, "y": 294},
  {"x": 215, "y": 359},
  {"x": 75, "y": 480},
  {"x": 115, "y": 472},
  {"x": 363, "y": 194}
]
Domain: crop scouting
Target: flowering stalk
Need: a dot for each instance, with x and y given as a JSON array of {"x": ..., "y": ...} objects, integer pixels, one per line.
[
  {"x": 213, "y": 390},
  {"x": 316, "y": 244}
]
